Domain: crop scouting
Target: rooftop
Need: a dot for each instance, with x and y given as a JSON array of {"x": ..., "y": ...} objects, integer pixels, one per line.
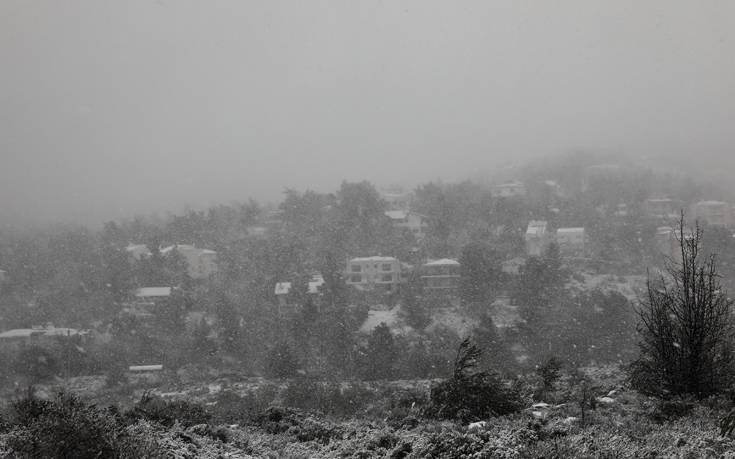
[
  {"x": 396, "y": 214},
  {"x": 45, "y": 331},
  {"x": 711, "y": 203},
  {"x": 570, "y": 230},
  {"x": 443, "y": 262},
  {"x": 147, "y": 292},
  {"x": 375, "y": 259}
]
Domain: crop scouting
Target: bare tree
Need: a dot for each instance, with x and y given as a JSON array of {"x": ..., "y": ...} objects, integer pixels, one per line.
[{"x": 685, "y": 326}]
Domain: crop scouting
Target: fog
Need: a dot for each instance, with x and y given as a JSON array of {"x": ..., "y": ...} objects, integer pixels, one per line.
[{"x": 108, "y": 109}]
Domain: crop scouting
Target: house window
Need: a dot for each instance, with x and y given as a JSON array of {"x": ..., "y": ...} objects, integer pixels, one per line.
[
  {"x": 386, "y": 278},
  {"x": 386, "y": 267},
  {"x": 356, "y": 278},
  {"x": 356, "y": 268}
]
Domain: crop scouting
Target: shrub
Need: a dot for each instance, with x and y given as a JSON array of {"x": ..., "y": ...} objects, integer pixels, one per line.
[
  {"x": 686, "y": 326},
  {"x": 233, "y": 408},
  {"x": 470, "y": 394},
  {"x": 550, "y": 371},
  {"x": 327, "y": 397},
  {"x": 67, "y": 427},
  {"x": 166, "y": 413},
  {"x": 36, "y": 363},
  {"x": 281, "y": 363}
]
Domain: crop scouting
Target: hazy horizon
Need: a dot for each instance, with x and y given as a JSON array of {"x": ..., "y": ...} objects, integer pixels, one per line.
[{"x": 108, "y": 110}]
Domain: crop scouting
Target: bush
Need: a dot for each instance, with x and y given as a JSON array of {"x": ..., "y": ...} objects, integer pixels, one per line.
[
  {"x": 36, "y": 363},
  {"x": 686, "y": 328},
  {"x": 68, "y": 427},
  {"x": 471, "y": 395},
  {"x": 166, "y": 413},
  {"x": 281, "y": 363},
  {"x": 233, "y": 408},
  {"x": 327, "y": 397}
]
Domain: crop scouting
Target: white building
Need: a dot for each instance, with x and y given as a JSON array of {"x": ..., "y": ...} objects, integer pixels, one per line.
[
  {"x": 284, "y": 288},
  {"x": 537, "y": 238},
  {"x": 571, "y": 241},
  {"x": 372, "y": 272},
  {"x": 412, "y": 221},
  {"x": 200, "y": 263},
  {"x": 441, "y": 275},
  {"x": 713, "y": 213},
  {"x": 510, "y": 189}
]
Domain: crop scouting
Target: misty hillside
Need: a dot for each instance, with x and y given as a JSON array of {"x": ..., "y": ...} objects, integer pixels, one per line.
[{"x": 356, "y": 323}]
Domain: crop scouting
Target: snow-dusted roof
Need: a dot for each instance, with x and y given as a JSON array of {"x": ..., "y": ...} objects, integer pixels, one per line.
[
  {"x": 711, "y": 203},
  {"x": 145, "y": 368},
  {"x": 375, "y": 259},
  {"x": 570, "y": 230},
  {"x": 132, "y": 247},
  {"x": 443, "y": 262},
  {"x": 147, "y": 292},
  {"x": 166, "y": 250},
  {"x": 396, "y": 214},
  {"x": 19, "y": 333},
  {"x": 512, "y": 183},
  {"x": 188, "y": 247},
  {"x": 48, "y": 331}
]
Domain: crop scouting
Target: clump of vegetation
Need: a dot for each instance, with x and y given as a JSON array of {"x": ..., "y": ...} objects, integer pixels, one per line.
[
  {"x": 471, "y": 394},
  {"x": 327, "y": 397},
  {"x": 68, "y": 427},
  {"x": 167, "y": 412},
  {"x": 686, "y": 325},
  {"x": 233, "y": 408},
  {"x": 549, "y": 372},
  {"x": 281, "y": 362}
]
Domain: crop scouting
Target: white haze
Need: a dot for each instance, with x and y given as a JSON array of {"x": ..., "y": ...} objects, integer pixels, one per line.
[{"x": 112, "y": 108}]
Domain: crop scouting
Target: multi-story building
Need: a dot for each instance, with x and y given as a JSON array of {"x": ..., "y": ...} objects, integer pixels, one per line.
[
  {"x": 374, "y": 272},
  {"x": 713, "y": 213},
  {"x": 537, "y": 239},
  {"x": 441, "y": 275},
  {"x": 284, "y": 288},
  {"x": 571, "y": 242},
  {"x": 412, "y": 221}
]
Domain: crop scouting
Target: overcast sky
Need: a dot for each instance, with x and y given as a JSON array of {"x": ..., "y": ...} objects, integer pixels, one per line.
[{"x": 112, "y": 108}]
